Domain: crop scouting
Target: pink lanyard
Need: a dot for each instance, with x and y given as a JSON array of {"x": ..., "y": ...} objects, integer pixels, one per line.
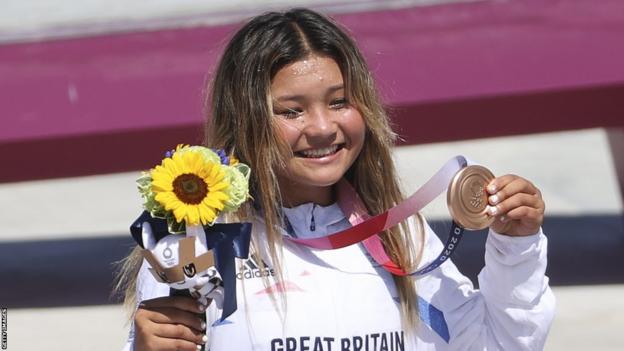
[{"x": 365, "y": 228}]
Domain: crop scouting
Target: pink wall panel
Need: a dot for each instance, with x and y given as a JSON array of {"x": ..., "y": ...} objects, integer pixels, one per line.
[{"x": 114, "y": 103}]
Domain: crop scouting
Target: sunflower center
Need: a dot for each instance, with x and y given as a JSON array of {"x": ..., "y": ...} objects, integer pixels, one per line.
[{"x": 190, "y": 188}]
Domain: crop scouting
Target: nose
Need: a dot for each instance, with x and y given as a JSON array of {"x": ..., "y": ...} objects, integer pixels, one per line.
[{"x": 320, "y": 126}]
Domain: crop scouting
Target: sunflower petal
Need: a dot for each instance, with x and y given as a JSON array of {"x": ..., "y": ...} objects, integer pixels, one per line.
[
  {"x": 168, "y": 200},
  {"x": 207, "y": 214},
  {"x": 180, "y": 213},
  {"x": 219, "y": 186},
  {"x": 221, "y": 196},
  {"x": 195, "y": 161},
  {"x": 217, "y": 174},
  {"x": 193, "y": 215},
  {"x": 159, "y": 185},
  {"x": 213, "y": 202},
  {"x": 170, "y": 165},
  {"x": 180, "y": 164},
  {"x": 204, "y": 171},
  {"x": 160, "y": 172}
]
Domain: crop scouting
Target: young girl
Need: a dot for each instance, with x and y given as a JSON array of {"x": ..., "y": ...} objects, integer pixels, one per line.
[{"x": 293, "y": 98}]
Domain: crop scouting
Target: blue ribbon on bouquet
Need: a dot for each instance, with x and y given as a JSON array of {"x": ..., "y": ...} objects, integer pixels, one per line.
[{"x": 227, "y": 240}]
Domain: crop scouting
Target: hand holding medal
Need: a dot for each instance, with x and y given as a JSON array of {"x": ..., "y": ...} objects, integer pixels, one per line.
[
  {"x": 516, "y": 204},
  {"x": 509, "y": 204}
]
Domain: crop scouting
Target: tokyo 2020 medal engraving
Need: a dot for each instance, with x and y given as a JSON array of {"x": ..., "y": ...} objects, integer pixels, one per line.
[{"x": 467, "y": 197}]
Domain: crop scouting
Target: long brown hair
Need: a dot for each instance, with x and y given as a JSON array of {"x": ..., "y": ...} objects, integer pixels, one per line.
[{"x": 242, "y": 122}]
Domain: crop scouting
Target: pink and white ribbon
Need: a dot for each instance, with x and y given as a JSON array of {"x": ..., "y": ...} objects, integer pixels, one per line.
[{"x": 365, "y": 228}]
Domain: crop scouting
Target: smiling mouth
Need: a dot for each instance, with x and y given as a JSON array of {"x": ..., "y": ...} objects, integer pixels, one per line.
[{"x": 321, "y": 152}]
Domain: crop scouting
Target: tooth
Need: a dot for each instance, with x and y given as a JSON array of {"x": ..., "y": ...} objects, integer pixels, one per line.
[{"x": 321, "y": 152}]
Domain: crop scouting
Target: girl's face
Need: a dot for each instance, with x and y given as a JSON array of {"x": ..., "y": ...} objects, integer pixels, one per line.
[{"x": 325, "y": 132}]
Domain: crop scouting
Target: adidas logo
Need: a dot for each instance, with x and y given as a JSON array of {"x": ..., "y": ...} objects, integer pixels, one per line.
[{"x": 251, "y": 269}]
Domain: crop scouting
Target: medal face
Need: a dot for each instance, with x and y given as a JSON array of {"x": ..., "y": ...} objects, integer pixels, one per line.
[{"x": 467, "y": 197}]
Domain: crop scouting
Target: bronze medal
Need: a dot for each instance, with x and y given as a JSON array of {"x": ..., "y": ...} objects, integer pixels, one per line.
[{"x": 467, "y": 197}]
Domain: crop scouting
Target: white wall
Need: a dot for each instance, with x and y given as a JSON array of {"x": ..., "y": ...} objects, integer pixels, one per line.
[{"x": 22, "y": 20}]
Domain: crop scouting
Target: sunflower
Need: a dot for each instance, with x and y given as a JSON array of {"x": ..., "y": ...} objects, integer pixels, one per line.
[{"x": 191, "y": 186}]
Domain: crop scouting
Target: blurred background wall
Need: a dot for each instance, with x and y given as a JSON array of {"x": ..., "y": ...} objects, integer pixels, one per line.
[{"x": 94, "y": 91}]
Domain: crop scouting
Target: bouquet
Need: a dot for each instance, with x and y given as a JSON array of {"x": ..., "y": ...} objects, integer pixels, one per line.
[
  {"x": 181, "y": 238},
  {"x": 193, "y": 185}
]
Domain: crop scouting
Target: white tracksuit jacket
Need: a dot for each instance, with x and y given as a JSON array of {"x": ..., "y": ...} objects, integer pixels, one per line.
[{"x": 341, "y": 300}]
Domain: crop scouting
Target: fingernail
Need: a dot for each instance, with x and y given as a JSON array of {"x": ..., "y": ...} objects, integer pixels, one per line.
[
  {"x": 204, "y": 338},
  {"x": 503, "y": 218},
  {"x": 199, "y": 347},
  {"x": 492, "y": 210},
  {"x": 492, "y": 188},
  {"x": 494, "y": 199},
  {"x": 203, "y": 325},
  {"x": 201, "y": 307}
]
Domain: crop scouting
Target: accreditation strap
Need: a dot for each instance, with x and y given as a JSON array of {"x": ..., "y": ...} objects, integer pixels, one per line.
[{"x": 365, "y": 228}]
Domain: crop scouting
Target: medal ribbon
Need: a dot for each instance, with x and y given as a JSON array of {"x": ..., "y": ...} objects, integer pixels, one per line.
[{"x": 365, "y": 228}]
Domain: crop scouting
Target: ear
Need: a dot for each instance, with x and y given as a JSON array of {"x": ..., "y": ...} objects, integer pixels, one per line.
[
  {"x": 198, "y": 232},
  {"x": 149, "y": 242}
]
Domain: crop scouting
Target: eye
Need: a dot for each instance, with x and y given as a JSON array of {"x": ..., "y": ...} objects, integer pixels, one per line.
[
  {"x": 189, "y": 270},
  {"x": 339, "y": 103},
  {"x": 289, "y": 113}
]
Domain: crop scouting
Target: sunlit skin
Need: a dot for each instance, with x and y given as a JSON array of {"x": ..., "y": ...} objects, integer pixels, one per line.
[
  {"x": 516, "y": 204},
  {"x": 324, "y": 131}
]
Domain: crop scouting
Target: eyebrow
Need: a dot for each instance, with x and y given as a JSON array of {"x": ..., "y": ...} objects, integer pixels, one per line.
[{"x": 330, "y": 90}]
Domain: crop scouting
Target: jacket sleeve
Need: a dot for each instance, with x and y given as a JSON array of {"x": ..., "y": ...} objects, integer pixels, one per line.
[
  {"x": 519, "y": 303},
  {"x": 513, "y": 309},
  {"x": 146, "y": 288}
]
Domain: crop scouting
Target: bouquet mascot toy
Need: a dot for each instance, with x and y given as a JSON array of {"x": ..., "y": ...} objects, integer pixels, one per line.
[
  {"x": 183, "y": 243},
  {"x": 185, "y": 263}
]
